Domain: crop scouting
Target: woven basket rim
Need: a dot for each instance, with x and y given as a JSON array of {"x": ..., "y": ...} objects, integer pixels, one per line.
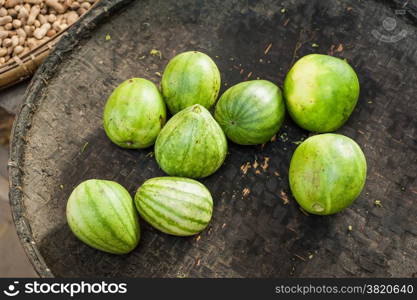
[
  {"x": 20, "y": 127},
  {"x": 16, "y": 61},
  {"x": 13, "y": 63}
]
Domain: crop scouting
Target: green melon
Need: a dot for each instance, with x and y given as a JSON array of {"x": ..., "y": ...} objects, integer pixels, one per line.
[
  {"x": 175, "y": 205},
  {"x": 321, "y": 92},
  {"x": 251, "y": 112},
  {"x": 191, "y": 144},
  {"x": 134, "y": 114},
  {"x": 102, "y": 214},
  {"x": 327, "y": 173},
  {"x": 190, "y": 78}
]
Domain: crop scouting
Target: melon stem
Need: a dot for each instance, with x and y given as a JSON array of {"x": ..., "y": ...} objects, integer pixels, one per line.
[{"x": 196, "y": 109}]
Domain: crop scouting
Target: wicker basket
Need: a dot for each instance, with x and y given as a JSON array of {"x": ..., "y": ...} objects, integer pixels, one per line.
[{"x": 23, "y": 66}]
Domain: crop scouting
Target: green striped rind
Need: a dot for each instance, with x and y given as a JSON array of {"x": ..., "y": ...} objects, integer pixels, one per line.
[
  {"x": 321, "y": 92},
  {"x": 101, "y": 213},
  {"x": 191, "y": 144},
  {"x": 134, "y": 114},
  {"x": 175, "y": 205},
  {"x": 190, "y": 78},
  {"x": 327, "y": 173},
  {"x": 251, "y": 112}
]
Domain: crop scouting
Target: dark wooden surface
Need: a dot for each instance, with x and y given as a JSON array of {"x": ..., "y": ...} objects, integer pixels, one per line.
[{"x": 257, "y": 228}]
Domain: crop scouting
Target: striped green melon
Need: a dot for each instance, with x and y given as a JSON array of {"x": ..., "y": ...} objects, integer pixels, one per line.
[
  {"x": 190, "y": 78},
  {"x": 251, "y": 112},
  {"x": 191, "y": 144},
  {"x": 134, "y": 114},
  {"x": 175, "y": 205},
  {"x": 102, "y": 214}
]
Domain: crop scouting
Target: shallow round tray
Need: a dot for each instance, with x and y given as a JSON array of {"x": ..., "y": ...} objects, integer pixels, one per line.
[{"x": 257, "y": 229}]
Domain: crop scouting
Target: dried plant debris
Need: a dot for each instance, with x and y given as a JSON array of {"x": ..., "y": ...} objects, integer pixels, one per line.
[
  {"x": 265, "y": 164},
  {"x": 198, "y": 261},
  {"x": 284, "y": 137},
  {"x": 299, "y": 257},
  {"x": 155, "y": 52},
  {"x": 284, "y": 197},
  {"x": 245, "y": 167},
  {"x": 268, "y": 48},
  {"x": 84, "y": 147},
  {"x": 150, "y": 154},
  {"x": 286, "y": 22},
  {"x": 333, "y": 48},
  {"x": 245, "y": 192},
  {"x": 255, "y": 165},
  {"x": 297, "y": 142},
  {"x": 339, "y": 48},
  {"x": 378, "y": 203}
]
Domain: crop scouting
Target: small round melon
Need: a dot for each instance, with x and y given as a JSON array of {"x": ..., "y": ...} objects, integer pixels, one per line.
[
  {"x": 175, "y": 205},
  {"x": 102, "y": 214},
  {"x": 134, "y": 114},
  {"x": 251, "y": 112},
  {"x": 191, "y": 144},
  {"x": 327, "y": 173},
  {"x": 190, "y": 78},
  {"x": 321, "y": 92}
]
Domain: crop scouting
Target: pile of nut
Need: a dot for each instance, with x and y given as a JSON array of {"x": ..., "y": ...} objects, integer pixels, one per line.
[{"x": 25, "y": 24}]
